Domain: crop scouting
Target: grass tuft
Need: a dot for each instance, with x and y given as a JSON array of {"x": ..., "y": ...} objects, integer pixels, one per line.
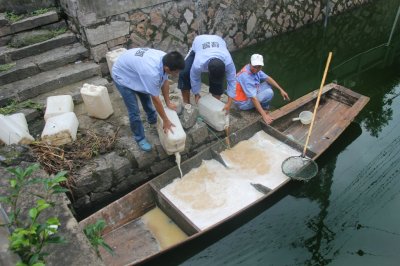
[{"x": 6, "y": 67}]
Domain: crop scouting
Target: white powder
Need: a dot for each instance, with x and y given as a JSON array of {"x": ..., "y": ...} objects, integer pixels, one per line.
[{"x": 211, "y": 193}]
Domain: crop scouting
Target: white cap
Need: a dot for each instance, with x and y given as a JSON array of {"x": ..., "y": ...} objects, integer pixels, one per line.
[{"x": 257, "y": 60}]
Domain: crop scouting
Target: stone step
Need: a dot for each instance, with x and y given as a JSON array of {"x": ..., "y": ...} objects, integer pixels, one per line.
[
  {"x": 52, "y": 59},
  {"x": 8, "y": 54},
  {"x": 29, "y": 23},
  {"x": 47, "y": 81}
]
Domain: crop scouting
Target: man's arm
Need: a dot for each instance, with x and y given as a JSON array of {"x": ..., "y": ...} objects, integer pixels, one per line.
[
  {"x": 275, "y": 84},
  {"x": 167, "y": 125},
  {"x": 267, "y": 119},
  {"x": 231, "y": 88},
  {"x": 195, "y": 79},
  {"x": 165, "y": 93}
]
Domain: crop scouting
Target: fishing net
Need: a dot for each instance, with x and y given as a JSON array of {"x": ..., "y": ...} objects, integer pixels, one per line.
[{"x": 299, "y": 168}]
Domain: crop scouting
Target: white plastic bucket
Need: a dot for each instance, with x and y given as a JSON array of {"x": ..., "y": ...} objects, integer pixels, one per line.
[
  {"x": 14, "y": 129},
  {"x": 171, "y": 142},
  {"x": 57, "y": 105},
  {"x": 211, "y": 110},
  {"x": 112, "y": 56},
  {"x": 97, "y": 101},
  {"x": 305, "y": 117},
  {"x": 60, "y": 129}
]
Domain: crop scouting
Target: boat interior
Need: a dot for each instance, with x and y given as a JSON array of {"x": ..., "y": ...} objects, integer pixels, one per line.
[{"x": 151, "y": 219}]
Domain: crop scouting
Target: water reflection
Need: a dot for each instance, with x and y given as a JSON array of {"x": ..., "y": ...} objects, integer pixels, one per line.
[
  {"x": 319, "y": 190},
  {"x": 380, "y": 110}
]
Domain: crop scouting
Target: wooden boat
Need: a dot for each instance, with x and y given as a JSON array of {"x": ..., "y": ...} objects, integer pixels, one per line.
[{"x": 136, "y": 238}]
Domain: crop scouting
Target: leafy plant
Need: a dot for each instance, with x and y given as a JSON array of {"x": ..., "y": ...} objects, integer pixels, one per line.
[
  {"x": 93, "y": 233},
  {"x": 15, "y": 106},
  {"x": 30, "y": 237}
]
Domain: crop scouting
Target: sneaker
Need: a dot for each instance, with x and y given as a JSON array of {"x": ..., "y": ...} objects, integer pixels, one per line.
[{"x": 144, "y": 145}]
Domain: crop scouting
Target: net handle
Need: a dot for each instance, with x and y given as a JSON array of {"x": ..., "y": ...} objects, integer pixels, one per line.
[{"x": 328, "y": 61}]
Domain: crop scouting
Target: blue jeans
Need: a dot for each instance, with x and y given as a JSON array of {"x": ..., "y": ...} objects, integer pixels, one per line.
[
  {"x": 264, "y": 96},
  {"x": 131, "y": 103}
]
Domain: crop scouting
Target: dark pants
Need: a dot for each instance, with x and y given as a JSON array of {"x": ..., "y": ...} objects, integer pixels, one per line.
[{"x": 216, "y": 88}]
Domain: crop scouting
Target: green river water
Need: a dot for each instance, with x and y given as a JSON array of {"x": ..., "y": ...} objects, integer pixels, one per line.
[{"x": 350, "y": 213}]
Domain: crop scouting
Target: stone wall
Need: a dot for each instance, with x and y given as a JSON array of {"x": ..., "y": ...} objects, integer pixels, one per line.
[{"x": 172, "y": 25}]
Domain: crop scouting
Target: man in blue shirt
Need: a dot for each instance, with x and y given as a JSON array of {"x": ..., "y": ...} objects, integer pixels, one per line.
[
  {"x": 143, "y": 72},
  {"x": 208, "y": 54},
  {"x": 253, "y": 88}
]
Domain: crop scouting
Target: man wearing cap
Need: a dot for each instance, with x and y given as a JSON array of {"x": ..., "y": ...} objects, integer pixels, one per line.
[
  {"x": 142, "y": 72},
  {"x": 208, "y": 54},
  {"x": 253, "y": 88}
]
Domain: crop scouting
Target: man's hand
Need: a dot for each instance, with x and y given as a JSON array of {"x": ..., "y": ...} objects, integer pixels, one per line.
[
  {"x": 226, "y": 108},
  {"x": 228, "y": 105},
  {"x": 267, "y": 119},
  {"x": 167, "y": 126},
  {"x": 285, "y": 96},
  {"x": 171, "y": 106},
  {"x": 197, "y": 98}
]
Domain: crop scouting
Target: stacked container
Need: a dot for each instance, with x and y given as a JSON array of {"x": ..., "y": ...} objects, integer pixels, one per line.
[
  {"x": 56, "y": 105},
  {"x": 97, "y": 101},
  {"x": 60, "y": 129},
  {"x": 211, "y": 110},
  {"x": 171, "y": 142}
]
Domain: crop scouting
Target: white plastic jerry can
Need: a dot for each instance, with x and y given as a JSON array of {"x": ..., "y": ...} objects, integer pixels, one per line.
[
  {"x": 97, "y": 101},
  {"x": 211, "y": 110},
  {"x": 112, "y": 56},
  {"x": 60, "y": 129},
  {"x": 14, "y": 129},
  {"x": 171, "y": 142},
  {"x": 56, "y": 105}
]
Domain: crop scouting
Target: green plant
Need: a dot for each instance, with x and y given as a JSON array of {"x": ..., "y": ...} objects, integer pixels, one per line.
[
  {"x": 39, "y": 36},
  {"x": 93, "y": 233},
  {"x": 39, "y": 11},
  {"x": 15, "y": 106},
  {"x": 29, "y": 237},
  {"x": 57, "y": 32},
  {"x": 6, "y": 67},
  {"x": 12, "y": 17}
]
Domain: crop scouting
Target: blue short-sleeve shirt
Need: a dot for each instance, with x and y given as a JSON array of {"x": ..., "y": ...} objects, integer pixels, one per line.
[
  {"x": 250, "y": 82},
  {"x": 207, "y": 47},
  {"x": 140, "y": 69}
]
